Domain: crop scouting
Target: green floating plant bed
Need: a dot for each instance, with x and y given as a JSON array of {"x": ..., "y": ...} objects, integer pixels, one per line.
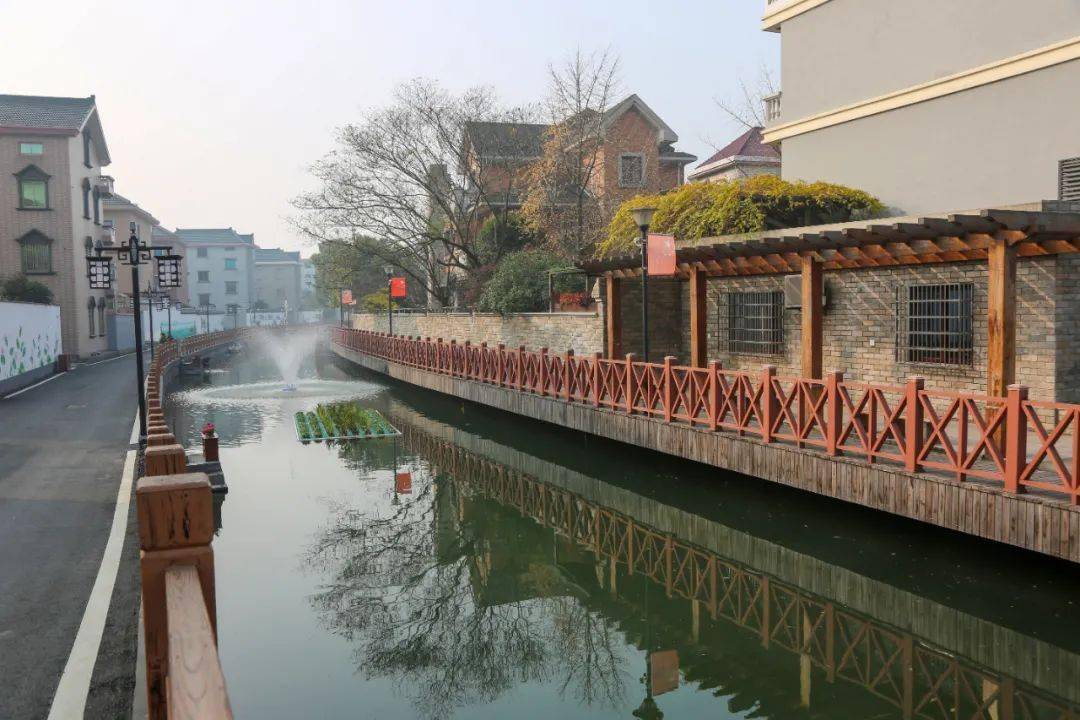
[{"x": 341, "y": 421}]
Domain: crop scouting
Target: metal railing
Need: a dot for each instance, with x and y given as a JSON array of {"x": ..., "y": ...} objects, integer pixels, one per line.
[{"x": 1003, "y": 441}]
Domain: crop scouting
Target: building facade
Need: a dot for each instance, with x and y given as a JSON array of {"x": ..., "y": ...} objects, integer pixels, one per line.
[
  {"x": 744, "y": 157},
  {"x": 964, "y": 104},
  {"x": 120, "y": 213},
  {"x": 52, "y": 150},
  {"x": 221, "y": 268},
  {"x": 278, "y": 280}
]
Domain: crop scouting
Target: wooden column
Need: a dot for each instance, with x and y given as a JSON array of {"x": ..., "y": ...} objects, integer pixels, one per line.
[
  {"x": 812, "y": 288},
  {"x": 698, "y": 313},
  {"x": 1001, "y": 318},
  {"x": 613, "y": 309}
]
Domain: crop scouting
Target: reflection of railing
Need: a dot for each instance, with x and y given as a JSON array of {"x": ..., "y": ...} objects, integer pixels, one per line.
[
  {"x": 966, "y": 435},
  {"x": 906, "y": 671}
]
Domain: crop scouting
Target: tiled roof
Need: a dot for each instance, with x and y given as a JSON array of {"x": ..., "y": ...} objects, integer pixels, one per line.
[
  {"x": 276, "y": 255},
  {"x": 495, "y": 139},
  {"x": 749, "y": 144},
  {"x": 214, "y": 236},
  {"x": 53, "y": 113}
]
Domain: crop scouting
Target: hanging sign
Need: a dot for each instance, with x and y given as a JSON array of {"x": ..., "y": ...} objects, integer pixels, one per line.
[
  {"x": 661, "y": 254},
  {"x": 403, "y": 483},
  {"x": 397, "y": 287},
  {"x": 664, "y": 667},
  {"x": 346, "y": 297}
]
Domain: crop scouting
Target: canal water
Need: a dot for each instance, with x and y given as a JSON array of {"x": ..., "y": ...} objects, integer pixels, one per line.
[{"x": 485, "y": 566}]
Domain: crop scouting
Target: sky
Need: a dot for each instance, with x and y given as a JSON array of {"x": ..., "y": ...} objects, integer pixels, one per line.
[{"x": 213, "y": 112}]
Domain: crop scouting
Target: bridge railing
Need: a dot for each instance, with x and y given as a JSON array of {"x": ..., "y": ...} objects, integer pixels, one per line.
[{"x": 1013, "y": 442}]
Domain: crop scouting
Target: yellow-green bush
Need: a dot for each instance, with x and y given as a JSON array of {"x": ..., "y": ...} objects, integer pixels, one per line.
[{"x": 766, "y": 202}]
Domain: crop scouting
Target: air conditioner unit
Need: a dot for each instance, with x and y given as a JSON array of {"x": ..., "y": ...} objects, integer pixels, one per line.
[{"x": 793, "y": 293}]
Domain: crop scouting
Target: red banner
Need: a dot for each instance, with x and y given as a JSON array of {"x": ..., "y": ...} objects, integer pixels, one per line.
[
  {"x": 664, "y": 665},
  {"x": 346, "y": 297},
  {"x": 397, "y": 287},
  {"x": 661, "y": 254},
  {"x": 403, "y": 483}
]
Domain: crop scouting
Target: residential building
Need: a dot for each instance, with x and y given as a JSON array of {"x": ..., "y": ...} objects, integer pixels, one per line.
[
  {"x": 744, "y": 157},
  {"x": 120, "y": 213},
  {"x": 52, "y": 150},
  {"x": 307, "y": 279},
  {"x": 931, "y": 106},
  {"x": 278, "y": 279},
  {"x": 636, "y": 155},
  {"x": 221, "y": 267},
  {"x": 162, "y": 237}
]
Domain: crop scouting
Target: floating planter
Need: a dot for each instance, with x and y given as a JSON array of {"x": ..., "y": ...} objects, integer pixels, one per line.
[{"x": 341, "y": 421}]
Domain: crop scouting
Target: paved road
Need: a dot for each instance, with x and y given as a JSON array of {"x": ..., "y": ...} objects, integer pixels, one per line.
[{"x": 62, "y": 450}]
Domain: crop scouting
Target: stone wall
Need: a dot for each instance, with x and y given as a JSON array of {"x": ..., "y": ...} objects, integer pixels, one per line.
[{"x": 582, "y": 332}]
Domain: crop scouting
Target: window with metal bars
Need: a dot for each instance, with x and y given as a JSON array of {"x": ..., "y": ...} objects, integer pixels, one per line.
[
  {"x": 935, "y": 324},
  {"x": 751, "y": 323}
]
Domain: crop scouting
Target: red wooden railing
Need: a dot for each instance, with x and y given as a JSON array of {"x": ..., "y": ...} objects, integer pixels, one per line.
[{"x": 1013, "y": 442}]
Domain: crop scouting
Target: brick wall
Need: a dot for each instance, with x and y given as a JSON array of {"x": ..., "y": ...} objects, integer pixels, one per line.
[
  {"x": 668, "y": 316},
  {"x": 583, "y": 332},
  {"x": 859, "y": 327}
]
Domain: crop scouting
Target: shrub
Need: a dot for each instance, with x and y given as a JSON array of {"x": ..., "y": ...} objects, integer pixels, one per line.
[
  {"x": 766, "y": 202},
  {"x": 20, "y": 288},
  {"x": 376, "y": 301},
  {"x": 520, "y": 282}
]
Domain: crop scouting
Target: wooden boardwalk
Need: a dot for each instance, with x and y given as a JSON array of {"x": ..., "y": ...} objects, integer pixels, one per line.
[{"x": 820, "y": 455}]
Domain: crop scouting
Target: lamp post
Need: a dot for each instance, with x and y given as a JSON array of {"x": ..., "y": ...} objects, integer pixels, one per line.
[
  {"x": 150, "y": 311},
  {"x": 135, "y": 253},
  {"x": 389, "y": 270},
  {"x": 643, "y": 218}
]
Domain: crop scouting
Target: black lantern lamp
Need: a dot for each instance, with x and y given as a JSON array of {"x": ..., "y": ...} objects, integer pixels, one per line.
[
  {"x": 168, "y": 270},
  {"x": 643, "y": 218}
]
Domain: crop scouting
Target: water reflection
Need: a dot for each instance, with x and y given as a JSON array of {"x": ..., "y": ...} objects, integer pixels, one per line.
[{"x": 478, "y": 566}]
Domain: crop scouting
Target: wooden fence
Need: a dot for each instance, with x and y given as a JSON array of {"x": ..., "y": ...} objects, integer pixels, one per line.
[{"x": 1012, "y": 442}]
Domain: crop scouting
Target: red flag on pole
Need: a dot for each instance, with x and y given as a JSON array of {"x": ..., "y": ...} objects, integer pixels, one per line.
[
  {"x": 397, "y": 287},
  {"x": 661, "y": 254}
]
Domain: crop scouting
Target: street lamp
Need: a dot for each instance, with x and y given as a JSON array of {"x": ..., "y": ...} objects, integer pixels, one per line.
[
  {"x": 134, "y": 253},
  {"x": 643, "y": 218},
  {"x": 389, "y": 270}
]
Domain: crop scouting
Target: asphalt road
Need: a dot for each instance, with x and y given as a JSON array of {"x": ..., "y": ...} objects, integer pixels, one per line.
[{"x": 62, "y": 450}]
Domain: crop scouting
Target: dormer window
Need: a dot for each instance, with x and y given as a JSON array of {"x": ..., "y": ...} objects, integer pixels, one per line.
[
  {"x": 33, "y": 188},
  {"x": 36, "y": 253},
  {"x": 631, "y": 170}
]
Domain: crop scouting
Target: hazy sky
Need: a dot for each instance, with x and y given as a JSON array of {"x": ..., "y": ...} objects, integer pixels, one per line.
[{"x": 213, "y": 111}]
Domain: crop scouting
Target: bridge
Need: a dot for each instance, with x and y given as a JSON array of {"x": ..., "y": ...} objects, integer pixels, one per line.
[{"x": 1000, "y": 468}]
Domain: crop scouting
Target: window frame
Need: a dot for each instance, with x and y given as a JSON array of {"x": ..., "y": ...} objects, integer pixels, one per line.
[
  {"x": 23, "y": 143},
  {"x": 86, "y": 150},
  {"x": 232, "y": 287},
  {"x": 91, "y": 307},
  {"x": 199, "y": 276},
  {"x": 86, "y": 198},
  {"x": 740, "y": 331},
  {"x": 203, "y": 304},
  {"x": 202, "y": 252},
  {"x": 35, "y": 238},
  {"x": 96, "y": 193},
  {"x": 935, "y": 324},
  {"x": 231, "y": 264},
  {"x": 102, "y": 327},
  {"x": 33, "y": 174},
  {"x": 638, "y": 156}
]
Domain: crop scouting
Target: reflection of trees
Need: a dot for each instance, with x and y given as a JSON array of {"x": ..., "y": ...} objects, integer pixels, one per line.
[{"x": 422, "y": 591}]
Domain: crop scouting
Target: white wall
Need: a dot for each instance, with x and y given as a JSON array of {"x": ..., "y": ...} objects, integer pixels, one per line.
[{"x": 29, "y": 337}]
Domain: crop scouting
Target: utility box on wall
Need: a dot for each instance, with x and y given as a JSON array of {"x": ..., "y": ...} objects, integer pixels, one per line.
[{"x": 793, "y": 293}]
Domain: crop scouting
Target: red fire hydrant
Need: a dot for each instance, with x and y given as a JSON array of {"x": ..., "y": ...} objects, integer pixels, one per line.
[{"x": 209, "y": 443}]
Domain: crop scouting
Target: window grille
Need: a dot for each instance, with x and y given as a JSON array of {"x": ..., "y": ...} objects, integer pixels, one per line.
[
  {"x": 751, "y": 323},
  {"x": 35, "y": 253},
  {"x": 631, "y": 170},
  {"x": 935, "y": 324}
]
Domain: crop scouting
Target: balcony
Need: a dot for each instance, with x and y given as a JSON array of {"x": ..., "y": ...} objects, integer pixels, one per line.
[{"x": 772, "y": 108}]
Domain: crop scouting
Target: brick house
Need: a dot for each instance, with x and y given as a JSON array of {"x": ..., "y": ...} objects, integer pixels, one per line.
[
  {"x": 636, "y": 155},
  {"x": 52, "y": 150}
]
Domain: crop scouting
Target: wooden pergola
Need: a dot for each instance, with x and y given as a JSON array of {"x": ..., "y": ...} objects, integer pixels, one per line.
[{"x": 998, "y": 237}]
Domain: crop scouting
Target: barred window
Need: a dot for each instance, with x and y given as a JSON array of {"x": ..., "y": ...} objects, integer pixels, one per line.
[
  {"x": 751, "y": 323},
  {"x": 35, "y": 251},
  {"x": 935, "y": 324}
]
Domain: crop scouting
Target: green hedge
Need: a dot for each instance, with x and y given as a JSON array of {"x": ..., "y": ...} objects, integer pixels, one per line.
[{"x": 766, "y": 202}]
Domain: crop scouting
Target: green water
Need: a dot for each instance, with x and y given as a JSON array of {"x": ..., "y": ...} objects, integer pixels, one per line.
[{"x": 524, "y": 571}]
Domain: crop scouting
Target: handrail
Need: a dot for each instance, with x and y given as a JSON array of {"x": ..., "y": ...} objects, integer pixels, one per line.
[
  {"x": 1013, "y": 442},
  {"x": 196, "y": 683}
]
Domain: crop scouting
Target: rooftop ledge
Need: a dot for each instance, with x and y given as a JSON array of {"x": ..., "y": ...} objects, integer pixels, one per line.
[{"x": 779, "y": 11}]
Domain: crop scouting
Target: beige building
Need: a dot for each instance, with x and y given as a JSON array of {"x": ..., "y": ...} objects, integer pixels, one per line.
[
  {"x": 120, "y": 213},
  {"x": 932, "y": 106},
  {"x": 52, "y": 150}
]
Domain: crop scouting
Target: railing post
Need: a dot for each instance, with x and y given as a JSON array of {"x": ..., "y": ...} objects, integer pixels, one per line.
[
  {"x": 520, "y": 367},
  {"x": 668, "y": 360},
  {"x": 834, "y": 411},
  {"x": 629, "y": 395},
  {"x": 1016, "y": 433},
  {"x": 713, "y": 394},
  {"x": 483, "y": 372},
  {"x": 176, "y": 526},
  {"x": 500, "y": 361},
  {"x": 466, "y": 367},
  {"x": 596, "y": 378},
  {"x": 453, "y": 359},
  {"x": 913, "y": 429},
  {"x": 438, "y": 355},
  {"x": 567, "y": 374},
  {"x": 768, "y": 403},
  {"x": 543, "y": 370}
]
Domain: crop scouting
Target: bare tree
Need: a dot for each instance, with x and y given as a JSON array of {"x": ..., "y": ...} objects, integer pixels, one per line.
[
  {"x": 748, "y": 106},
  {"x": 563, "y": 202},
  {"x": 401, "y": 186}
]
